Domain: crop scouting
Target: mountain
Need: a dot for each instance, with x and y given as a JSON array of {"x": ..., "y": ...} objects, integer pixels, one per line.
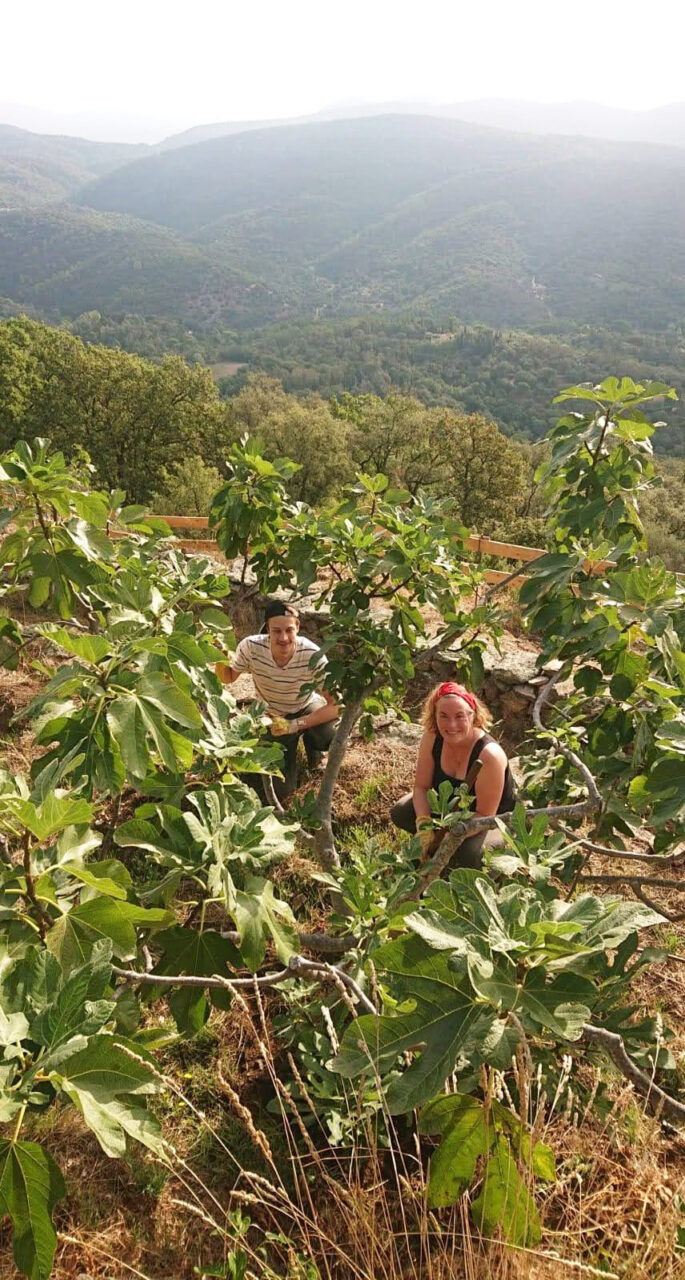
[
  {"x": 475, "y": 265},
  {"x": 341, "y": 111},
  {"x": 100, "y": 125},
  {"x": 35, "y": 167},
  {"x": 364, "y": 215},
  {"x": 63, "y": 261},
  {"x": 660, "y": 125}
]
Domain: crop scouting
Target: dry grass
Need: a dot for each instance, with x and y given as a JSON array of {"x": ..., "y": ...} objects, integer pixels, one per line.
[
  {"x": 360, "y": 1214},
  {"x": 353, "y": 1214}
]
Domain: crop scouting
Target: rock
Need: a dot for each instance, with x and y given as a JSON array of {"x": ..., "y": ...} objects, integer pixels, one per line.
[
  {"x": 403, "y": 731},
  {"x": 519, "y": 667}
]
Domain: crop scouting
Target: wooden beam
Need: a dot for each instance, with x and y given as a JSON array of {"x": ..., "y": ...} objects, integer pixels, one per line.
[
  {"x": 481, "y": 545},
  {"x": 508, "y": 550},
  {"x": 186, "y": 522}
]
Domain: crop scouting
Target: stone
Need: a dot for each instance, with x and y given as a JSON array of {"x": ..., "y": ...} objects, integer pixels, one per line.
[
  {"x": 526, "y": 691},
  {"x": 403, "y": 731},
  {"x": 516, "y": 668}
]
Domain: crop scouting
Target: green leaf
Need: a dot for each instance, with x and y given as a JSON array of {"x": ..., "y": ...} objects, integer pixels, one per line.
[
  {"x": 72, "y": 938},
  {"x": 78, "y": 1007},
  {"x": 170, "y": 700},
  {"x": 89, "y": 648},
  {"x": 438, "y": 1015},
  {"x": 30, "y": 1186},
  {"x": 107, "y": 1068},
  {"x": 13, "y": 1028},
  {"x": 127, "y": 727},
  {"x": 94, "y": 545},
  {"x": 53, "y": 815},
  {"x": 505, "y": 1201},
  {"x": 113, "y": 1120},
  {"x": 543, "y": 1162},
  {"x": 203, "y": 954},
  {"x": 110, "y": 877},
  {"x": 39, "y": 591},
  {"x": 258, "y": 915},
  {"x": 459, "y": 1119},
  {"x": 161, "y": 735}
]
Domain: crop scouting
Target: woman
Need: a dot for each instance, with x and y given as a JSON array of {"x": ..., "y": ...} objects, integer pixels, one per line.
[{"x": 456, "y": 748}]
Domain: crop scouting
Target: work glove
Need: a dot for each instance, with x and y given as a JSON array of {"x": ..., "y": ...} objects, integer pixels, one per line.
[
  {"x": 279, "y": 727},
  {"x": 426, "y": 836}
]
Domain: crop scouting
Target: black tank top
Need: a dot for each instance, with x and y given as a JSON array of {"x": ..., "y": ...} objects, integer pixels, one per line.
[{"x": 508, "y": 800}]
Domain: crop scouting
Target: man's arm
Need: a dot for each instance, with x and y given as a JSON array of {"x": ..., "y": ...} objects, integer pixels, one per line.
[
  {"x": 322, "y": 715},
  {"x": 226, "y": 673},
  {"x": 229, "y": 671}
]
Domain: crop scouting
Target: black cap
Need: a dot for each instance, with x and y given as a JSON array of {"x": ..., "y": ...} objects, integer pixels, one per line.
[{"x": 278, "y": 609}]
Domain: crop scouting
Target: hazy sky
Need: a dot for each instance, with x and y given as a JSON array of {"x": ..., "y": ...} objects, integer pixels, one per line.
[{"x": 172, "y": 66}]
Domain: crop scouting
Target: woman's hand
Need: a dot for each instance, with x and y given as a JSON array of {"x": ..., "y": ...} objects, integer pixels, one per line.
[{"x": 426, "y": 834}]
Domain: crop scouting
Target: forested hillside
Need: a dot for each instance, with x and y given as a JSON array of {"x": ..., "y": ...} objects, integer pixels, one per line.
[
  {"x": 161, "y": 431},
  {"x": 35, "y": 168},
  {"x": 360, "y": 215},
  {"x": 468, "y": 266}
]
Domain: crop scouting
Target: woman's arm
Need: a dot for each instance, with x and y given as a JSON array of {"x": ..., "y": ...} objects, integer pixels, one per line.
[
  {"x": 490, "y": 780},
  {"x": 423, "y": 778}
]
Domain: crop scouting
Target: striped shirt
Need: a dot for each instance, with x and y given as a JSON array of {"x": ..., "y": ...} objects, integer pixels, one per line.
[{"x": 281, "y": 687}]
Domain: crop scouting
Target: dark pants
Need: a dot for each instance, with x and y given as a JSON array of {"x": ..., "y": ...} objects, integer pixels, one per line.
[
  {"x": 315, "y": 740},
  {"x": 469, "y": 854}
]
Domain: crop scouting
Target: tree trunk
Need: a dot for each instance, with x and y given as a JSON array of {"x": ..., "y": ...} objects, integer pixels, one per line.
[{"x": 324, "y": 802}]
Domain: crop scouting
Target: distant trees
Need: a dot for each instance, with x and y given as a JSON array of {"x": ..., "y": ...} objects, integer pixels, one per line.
[
  {"x": 186, "y": 489},
  {"x": 132, "y": 416},
  {"x": 306, "y": 430},
  {"x": 160, "y": 431},
  {"x": 460, "y": 455}
]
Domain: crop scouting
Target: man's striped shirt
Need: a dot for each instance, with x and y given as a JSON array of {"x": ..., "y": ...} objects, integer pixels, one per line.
[{"x": 281, "y": 687}]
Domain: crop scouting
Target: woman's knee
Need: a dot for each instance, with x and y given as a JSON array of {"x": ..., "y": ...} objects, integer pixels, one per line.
[
  {"x": 470, "y": 853},
  {"x": 403, "y": 814}
]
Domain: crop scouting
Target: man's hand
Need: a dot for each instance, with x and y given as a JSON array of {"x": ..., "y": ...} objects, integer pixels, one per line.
[
  {"x": 279, "y": 727},
  {"x": 224, "y": 672}
]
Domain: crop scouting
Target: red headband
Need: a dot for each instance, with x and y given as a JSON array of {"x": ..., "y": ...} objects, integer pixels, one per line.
[{"x": 458, "y": 691}]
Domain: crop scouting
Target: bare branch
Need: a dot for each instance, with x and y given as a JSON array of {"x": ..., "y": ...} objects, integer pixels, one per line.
[
  {"x": 650, "y": 859},
  {"x": 270, "y": 793},
  {"x": 613, "y": 1045},
  {"x": 298, "y": 965},
  {"x": 657, "y": 882},
  {"x": 569, "y": 755},
  {"x": 216, "y": 982},
  {"x": 654, "y": 906},
  {"x": 458, "y": 831},
  {"x": 325, "y": 842},
  {"x": 499, "y": 586},
  {"x": 324, "y": 943}
]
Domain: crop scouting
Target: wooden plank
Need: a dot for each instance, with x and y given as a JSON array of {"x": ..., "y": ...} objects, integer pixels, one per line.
[
  {"x": 508, "y": 550},
  {"x": 198, "y": 544},
  {"x": 186, "y": 522},
  {"x": 496, "y": 575},
  {"x": 482, "y": 545}
]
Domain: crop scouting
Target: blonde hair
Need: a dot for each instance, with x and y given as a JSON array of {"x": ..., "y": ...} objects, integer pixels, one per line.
[{"x": 482, "y": 718}]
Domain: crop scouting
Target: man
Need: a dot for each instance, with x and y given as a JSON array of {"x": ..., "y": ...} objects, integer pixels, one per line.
[{"x": 280, "y": 662}]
